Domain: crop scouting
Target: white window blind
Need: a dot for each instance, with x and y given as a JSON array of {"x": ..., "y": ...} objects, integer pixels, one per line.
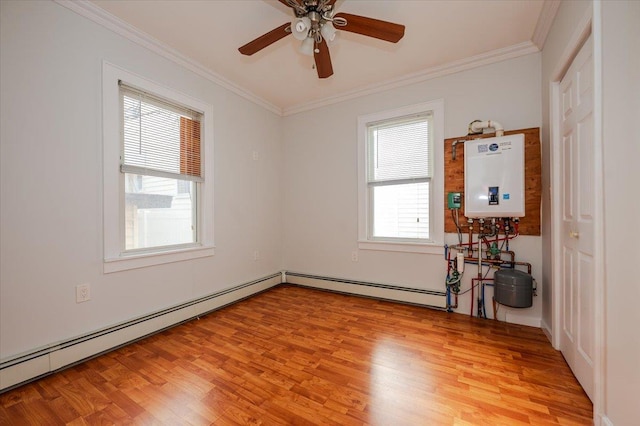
[
  {"x": 398, "y": 175},
  {"x": 399, "y": 149},
  {"x": 160, "y": 138}
]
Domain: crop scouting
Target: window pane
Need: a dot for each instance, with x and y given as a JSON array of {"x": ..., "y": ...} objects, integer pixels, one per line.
[
  {"x": 158, "y": 211},
  {"x": 157, "y": 137},
  {"x": 401, "y": 211},
  {"x": 399, "y": 150}
]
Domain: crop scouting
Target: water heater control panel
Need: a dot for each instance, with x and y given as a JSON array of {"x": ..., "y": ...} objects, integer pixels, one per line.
[{"x": 494, "y": 177}]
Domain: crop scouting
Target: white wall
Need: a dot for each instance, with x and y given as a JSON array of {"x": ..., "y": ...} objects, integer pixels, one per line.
[
  {"x": 320, "y": 173},
  {"x": 51, "y": 182},
  {"x": 621, "y": 111}
]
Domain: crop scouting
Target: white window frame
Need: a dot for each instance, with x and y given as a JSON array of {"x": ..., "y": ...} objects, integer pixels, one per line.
[
  {"x": 115, "y": 258},
  {"x": 436, "y": 209}
]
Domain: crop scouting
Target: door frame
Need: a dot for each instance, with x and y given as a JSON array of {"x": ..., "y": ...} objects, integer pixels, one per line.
[{"x": 590, "y": 24}]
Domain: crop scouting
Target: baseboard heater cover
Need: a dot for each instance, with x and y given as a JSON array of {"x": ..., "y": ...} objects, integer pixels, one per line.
[
  {"x": 415, "y": 296},
  {"x": 43, "y": 361}
]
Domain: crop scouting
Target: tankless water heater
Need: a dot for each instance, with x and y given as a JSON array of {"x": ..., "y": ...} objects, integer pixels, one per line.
[{"x": 494, "y": 177}]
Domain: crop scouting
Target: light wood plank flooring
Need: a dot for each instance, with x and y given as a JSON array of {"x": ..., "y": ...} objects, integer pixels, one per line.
[{"x": 294, "y": 355}]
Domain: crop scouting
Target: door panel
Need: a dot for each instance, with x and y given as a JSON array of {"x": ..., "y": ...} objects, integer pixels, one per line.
[
  {"x": 585, "y": 342},
  {"x": 586, "y": 185},
  {"x": 568, "y": 294},
  {"x": 567, "y": 200}
]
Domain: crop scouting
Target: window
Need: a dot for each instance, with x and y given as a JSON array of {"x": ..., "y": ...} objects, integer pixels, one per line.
[
  {"x": 398, "y": 177},
  {"x": 400, "y": 167},
  {"x": 161, "y": 166},
  {"x": 158, "y": 168}
]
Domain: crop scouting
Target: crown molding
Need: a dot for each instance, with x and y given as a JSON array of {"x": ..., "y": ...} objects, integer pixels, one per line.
[
  {"x": 92, "y": 12},
  {"x": 487, "y": 58},
  {"x": 547, "y": 15}
]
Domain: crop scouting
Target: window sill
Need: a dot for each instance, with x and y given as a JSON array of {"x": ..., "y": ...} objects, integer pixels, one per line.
[
  {"x": 136, "y": 261},
  {"x": 424, "y": 248}
]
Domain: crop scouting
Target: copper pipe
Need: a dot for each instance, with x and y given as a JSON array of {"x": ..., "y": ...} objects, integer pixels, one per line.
[
  {"x": 509, "y": 252},
  {"x": 499, "y": 262}
]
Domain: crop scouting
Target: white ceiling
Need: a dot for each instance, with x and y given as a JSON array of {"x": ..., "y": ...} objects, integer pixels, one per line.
[{"x": 439, "y": 35}]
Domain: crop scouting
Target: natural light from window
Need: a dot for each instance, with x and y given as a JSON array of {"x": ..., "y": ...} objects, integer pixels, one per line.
[
  {"x": 401, "y": 179},
  {"x": 399, "y": 173},
  {"x": 160, "y": 207}
]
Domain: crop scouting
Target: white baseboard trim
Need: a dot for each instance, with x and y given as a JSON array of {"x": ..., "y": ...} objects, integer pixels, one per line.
[
  {"x": 37, "y": 363},
  {"x": 547, "y": 331},
  {"x": 415, "y": 296},
  {"x": 529, "y": 321},
  {"x": 604, "y": 421}
]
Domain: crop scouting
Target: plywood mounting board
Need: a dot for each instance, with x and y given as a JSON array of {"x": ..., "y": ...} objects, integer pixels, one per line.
[{"x": 454, "y": 178}]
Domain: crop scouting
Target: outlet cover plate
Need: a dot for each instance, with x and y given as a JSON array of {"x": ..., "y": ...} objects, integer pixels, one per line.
[{"x": 83, "y": 293}]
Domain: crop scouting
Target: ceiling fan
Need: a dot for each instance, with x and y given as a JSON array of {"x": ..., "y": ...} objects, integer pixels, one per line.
[{"x": 315, "y": 23}]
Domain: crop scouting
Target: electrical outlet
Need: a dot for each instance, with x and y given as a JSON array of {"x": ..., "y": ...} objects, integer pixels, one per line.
[
  {"x": 83, "y": 293},
  {"x": 354, "y": 256},
  {"x": 256, "y": 155},
  {"x": 256, "y": 255}
]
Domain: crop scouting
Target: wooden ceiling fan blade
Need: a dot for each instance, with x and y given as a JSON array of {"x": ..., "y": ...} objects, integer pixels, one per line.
[
  {"x": 370, "y": 27},
  {"x": 323, "y": 60},
  {"x": 265, "y": 40}
]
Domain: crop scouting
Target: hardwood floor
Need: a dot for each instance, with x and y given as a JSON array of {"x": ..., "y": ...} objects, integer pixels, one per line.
[{"x": 299, "y": 356}]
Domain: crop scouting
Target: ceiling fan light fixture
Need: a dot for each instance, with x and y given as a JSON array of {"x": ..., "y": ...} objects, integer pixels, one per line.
[
  {"x": 306, "y": 48},
  {"x": 328, "y": 31},
  {"x": 300, "y": 27}
]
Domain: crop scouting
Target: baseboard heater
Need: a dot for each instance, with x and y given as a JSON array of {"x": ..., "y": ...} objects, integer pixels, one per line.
[
  {"x": 415, "y": 296},
  {"x": 41, "y": 362}
]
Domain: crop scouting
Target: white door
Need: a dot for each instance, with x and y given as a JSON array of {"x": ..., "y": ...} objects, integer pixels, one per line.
[{"x": 577, "y": 341}]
